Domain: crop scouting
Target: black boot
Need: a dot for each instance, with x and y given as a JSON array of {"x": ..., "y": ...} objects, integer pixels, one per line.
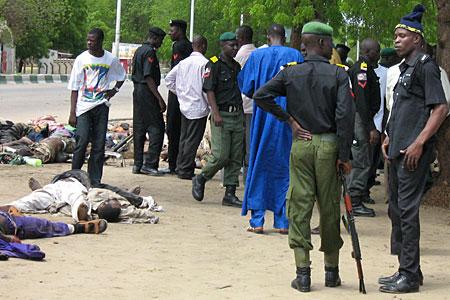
[
  {"x": 332, "y": 278},
  {"x": 303, "y": 280},
  {"x": 401, "y": 286},
  {"x": 198, "y": 187},
  {"x": 230, "y": 198},
  {"x": 360, "y": 210}
]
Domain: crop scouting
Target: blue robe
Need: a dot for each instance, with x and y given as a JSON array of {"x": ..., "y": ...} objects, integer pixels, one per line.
[{"x": 267, "y": 179}]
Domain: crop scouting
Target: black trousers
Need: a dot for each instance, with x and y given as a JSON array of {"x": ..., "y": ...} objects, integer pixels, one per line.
[
  {"x": 191, "y": 135},
  {"x": 405, "y": 192},
  {"x": 91, "y": 127},
  {"x": 147, "y": 119},
  {"x": 173, "y": 129},
  {"x": 134, "y": 199},
  {"x": 376, "y": 159}
]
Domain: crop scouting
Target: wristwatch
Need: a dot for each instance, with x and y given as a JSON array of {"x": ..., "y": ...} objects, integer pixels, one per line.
[{"x": 116, "y": 89}]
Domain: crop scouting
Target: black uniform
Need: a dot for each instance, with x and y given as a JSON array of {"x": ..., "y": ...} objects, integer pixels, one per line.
[
  {"x": 366, "y": 90},
  {"x": 418, "y": 90},
  {"x": 180, "y": 50},
  {"x": 147, "y": 115}
]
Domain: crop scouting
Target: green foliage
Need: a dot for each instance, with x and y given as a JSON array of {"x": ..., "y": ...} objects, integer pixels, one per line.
[{"x": 63, "y": 24}]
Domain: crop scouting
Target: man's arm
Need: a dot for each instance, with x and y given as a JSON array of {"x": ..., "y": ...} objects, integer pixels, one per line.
[
  {"x": 218, "y": 121},
  {"x": 73, "y": 108},
  {"x": 110, "y": 93},
  {"x": 171, "y": 80},
  {"x": 154, "y": 89},
  {"x": 265, "y": 96},
  {"x": 345, "y": 121}
]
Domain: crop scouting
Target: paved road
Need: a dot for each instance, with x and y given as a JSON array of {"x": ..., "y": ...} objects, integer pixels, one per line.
[{"x": 23, "y": 102}]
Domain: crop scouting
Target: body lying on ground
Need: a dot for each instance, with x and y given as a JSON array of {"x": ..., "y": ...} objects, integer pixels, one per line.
[{"x": 71, "y": 194}]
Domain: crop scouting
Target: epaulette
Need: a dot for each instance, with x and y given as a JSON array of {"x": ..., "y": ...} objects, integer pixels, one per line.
[
  {"x": 424, "y": 58},
  {"x": 292, "y": 63},
  {"x": 214, "y": 59},
  {"x": 346, "y": 68},
  {"x": 364, "y": 66}
]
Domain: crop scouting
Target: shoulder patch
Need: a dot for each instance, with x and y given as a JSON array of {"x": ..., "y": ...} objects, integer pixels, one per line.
[
  {"x": 214, "y": 59},
  {"x": 346, "y": 68},
  {"x": 424, "y": 58},
  {"x": 364, "y": 66},
  {"x": 290, "y": 64}
]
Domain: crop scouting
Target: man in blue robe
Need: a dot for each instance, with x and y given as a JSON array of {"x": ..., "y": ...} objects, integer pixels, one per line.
[{"x": 267, "y": 180}]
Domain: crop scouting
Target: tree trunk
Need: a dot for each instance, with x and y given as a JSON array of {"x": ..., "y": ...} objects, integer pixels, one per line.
[{"x": 439, "y": 195}]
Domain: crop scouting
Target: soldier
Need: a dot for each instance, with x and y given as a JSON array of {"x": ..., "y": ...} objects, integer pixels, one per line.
[
  {"x": 181, "y": 49},
  {"x": 227, "y": 122},
  {"x": 366, "y": 89},
  {"x": 148, "y": 105},
  {"x": 418, "y": 110},
  {"x": 320, "y": 111}
]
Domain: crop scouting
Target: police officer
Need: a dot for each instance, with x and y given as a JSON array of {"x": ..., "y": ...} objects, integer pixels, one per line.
[
  {"x": 320, "y": 111},
  {"x": 418, "y": 111},
  {"x": 148, "y": 105},
  {"x": 366, "y": 90},
  {"x": 227, "y": 122},
  {"x": 181, "y": 48}
]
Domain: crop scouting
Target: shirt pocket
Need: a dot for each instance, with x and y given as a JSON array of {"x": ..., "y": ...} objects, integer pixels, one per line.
[{"x": 225, "y": 78}]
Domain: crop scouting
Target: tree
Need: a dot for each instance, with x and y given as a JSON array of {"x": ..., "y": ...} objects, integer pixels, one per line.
[{"x": 439, "y": 193}]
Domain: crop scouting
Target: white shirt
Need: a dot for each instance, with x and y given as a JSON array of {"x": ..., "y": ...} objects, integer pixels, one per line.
[
  {"x": 186, "y": 81},
  {"x": 91, "y": 76},
  {"x": 241, "y": 57},
  {"x": 378, "y": 118}
]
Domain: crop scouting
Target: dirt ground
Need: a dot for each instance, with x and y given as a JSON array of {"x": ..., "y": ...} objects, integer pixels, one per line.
[{"x": 202, "y": 251}]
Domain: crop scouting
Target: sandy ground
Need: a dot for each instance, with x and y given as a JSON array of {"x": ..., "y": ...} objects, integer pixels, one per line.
[
  {"x": 202, "y": 251},
  {"x": 198, "y": 250}
]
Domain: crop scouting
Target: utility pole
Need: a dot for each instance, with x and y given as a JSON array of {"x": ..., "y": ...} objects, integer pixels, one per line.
[
  {"x": 191, "y": 23},
  {"x": 117, "y": 40}
]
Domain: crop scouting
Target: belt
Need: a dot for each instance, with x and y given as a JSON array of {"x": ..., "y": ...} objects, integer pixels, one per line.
[{"x": 230, "y": 108}]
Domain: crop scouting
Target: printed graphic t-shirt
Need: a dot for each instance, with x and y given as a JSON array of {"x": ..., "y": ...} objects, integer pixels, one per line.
[{"x": 91, "y": 76}]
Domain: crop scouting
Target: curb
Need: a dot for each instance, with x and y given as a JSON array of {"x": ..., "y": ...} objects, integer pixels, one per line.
[{"x": 41, "y": 78}]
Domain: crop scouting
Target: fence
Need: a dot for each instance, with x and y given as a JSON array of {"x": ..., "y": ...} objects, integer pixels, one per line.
[{"x": 59, "y": 66}]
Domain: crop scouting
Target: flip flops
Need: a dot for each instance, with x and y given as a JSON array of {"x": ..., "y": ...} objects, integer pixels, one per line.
[{"x": 257, "y": 230}]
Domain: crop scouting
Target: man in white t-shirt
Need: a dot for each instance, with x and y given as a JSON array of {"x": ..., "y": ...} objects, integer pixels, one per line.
[
  {"x": 186, "y": 81},
  {"x": 92, "y": 73}
]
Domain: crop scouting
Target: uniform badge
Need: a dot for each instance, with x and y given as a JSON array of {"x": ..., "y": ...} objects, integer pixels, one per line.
[
  {"x": 362, "y": 76},
  {"x": 175, "y": 56},
  {"x": 150, "y": 59},
  {"x": 207, "y": 73},
  {"x": 363, "y": 66}
]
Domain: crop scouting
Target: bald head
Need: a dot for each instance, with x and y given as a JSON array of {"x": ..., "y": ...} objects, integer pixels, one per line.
[
  {"x": 371, "y": 49},
  {"x": 276, "y": 34},
  {"x": 317, "y": 45},
  {"x": 200, "y": 44}
]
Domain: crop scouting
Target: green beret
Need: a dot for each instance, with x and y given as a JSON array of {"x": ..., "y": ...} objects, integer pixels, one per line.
[
  {"x": 227, "y": 36},
  {"x": 317, "y": 28},
  {"x": 387, "y": 52}
]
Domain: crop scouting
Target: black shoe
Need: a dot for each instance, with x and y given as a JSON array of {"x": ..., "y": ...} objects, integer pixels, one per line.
[
  {"x": 315, "y": 230},
  {"x": 230, "y": 198},
  {"x": 389, "y": 280},
  {"x": 150, "y": 171},
  {"x": 198, "y": 187},
  {"x": 401, "y": 286},
  {"x": 362, "y": 211},
  {"x": 377, "y": 182},
  {"x": 185, "y": 176},
  {"x": 303, "y": 280},
  {"x": 136, "y": 170},
  {"x": 368, "y": 200},
  {"x": 332, "y": 278}
]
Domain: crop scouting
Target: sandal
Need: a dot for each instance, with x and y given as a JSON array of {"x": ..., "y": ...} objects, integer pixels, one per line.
[
  {"x": 257, "y": 230},
  {"x": 94, "y": 226},
  {"x": 282, "y": 230}
]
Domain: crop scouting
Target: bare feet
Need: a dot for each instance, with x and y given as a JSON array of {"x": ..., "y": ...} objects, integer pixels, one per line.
[
  {"x": 135, "y": 189},
  {"x": 33, "y": 184}
]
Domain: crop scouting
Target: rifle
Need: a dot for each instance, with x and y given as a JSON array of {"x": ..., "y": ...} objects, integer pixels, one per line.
[{"x": 349, "y": 223}]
